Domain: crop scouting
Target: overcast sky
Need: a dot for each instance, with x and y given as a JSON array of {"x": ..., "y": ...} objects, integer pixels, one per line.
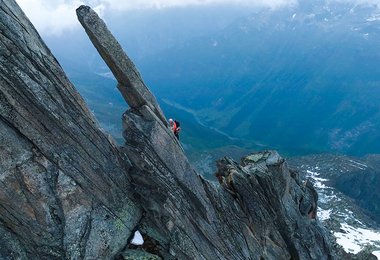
[{"x": 56, "y": 16}]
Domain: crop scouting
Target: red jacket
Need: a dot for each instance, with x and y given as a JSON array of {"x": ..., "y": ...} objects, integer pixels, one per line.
[{"x": 175, "y": 129}]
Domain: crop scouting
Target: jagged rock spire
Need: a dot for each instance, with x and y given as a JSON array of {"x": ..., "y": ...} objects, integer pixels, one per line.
[
  {"x": 130, "y": 83},
  {"x": 260, "y": 210}
]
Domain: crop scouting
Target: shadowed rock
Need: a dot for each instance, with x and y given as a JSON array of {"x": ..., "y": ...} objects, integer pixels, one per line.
[{"x": 64, "y": 187}]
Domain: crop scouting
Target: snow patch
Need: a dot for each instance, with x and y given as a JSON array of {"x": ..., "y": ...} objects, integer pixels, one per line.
[
  {"x": 323, "y": 214},
  {"x": 318, "y": 182},
  {"x": 377, "y": 254},
  {"x": 358, "y": 163},
  {"x": 312, "y": 173},
  {"x": 137, "y": 239},
  {"x": 354, "y": 240},
  {"x": 356, "y": 166},
  {"x": 320, "y": 179},
  {"x": 319, "y": 185}
]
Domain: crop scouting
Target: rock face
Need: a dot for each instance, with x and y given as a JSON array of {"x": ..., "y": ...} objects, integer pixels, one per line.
[
  {"x": 366, "y": 190},
  {"x": 64, "y": 189},
  {"x": 68, "y": 192}
]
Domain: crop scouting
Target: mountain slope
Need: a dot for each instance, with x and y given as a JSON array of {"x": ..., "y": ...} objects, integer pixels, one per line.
[
  {"x": 304, "y": 79},
  {"x": 349, "y": 197}
]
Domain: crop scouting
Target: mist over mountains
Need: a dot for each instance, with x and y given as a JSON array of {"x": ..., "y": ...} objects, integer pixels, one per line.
[
  {"x": 302, "y": 79},
  {"x": 305, "y": 79}
]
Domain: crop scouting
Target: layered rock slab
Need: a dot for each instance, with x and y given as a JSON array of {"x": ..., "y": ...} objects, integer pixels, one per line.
[
  {"x": 130, "y": 83},
  {"x": 64, "y": 187}
]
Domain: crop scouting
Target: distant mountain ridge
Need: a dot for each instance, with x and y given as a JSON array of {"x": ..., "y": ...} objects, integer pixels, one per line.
[{"x": 304, "y": 78}]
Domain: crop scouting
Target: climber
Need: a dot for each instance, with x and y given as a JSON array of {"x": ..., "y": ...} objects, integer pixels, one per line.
[{"x": 175, "y": 126}]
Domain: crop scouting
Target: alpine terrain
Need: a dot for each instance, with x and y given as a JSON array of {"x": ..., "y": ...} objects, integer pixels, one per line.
[{"x": 68, "y": 191}]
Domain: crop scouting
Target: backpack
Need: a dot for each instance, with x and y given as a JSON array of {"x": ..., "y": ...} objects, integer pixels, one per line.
[{"x": 178, "y": 128}]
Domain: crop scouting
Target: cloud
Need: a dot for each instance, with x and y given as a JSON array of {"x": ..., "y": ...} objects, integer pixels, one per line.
[
  {"x": 53, "y": 17},
  {"x": 56, "y": 16},
  {"x": 50, "y": 16},
  {"x": 159, "y": 4}
]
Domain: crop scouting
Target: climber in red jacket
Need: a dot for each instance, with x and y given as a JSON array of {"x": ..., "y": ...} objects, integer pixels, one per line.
[{"x": 175, "y": 126}]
